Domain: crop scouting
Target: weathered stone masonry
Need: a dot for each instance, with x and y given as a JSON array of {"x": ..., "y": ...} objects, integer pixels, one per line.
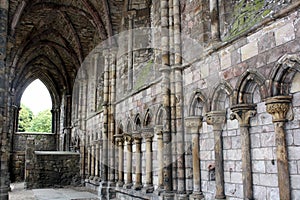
[{"x": 197, "y": 99}]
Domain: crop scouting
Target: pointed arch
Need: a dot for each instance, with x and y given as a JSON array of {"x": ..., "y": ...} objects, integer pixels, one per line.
[
  {"x": 120, "y": 128},
  {"x": 221, "y": 93},
  {"x": 197, "y": 105},
  {"x": 137, "y": 122},
  {"x": 129, "y": 127},
  {"x": 148, "y": 119},
  {"x": 161, "y": 116},
  {"x": 250, "y": 84},
  {"x": 283, "y": 73}
]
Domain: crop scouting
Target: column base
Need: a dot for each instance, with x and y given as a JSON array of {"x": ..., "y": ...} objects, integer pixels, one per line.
[
  {"x": 4, "y": 193},
  {"x": 159, "y": 190},
  {"x": 219, "y": 197},
  {"x": 128, "y": 186},
  {"x": 196, "y": 196},
  {"x": 182, "y": 196},
  {"x": 120, "y": 184},
  {"x": 137, "y": 186},
  {"x": 148, "y": 188},
  {"x": 168, "y": 196},
  {"x": 111, "y": 192}
]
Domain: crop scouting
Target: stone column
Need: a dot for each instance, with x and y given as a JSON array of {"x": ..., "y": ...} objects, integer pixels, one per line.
[
  {"x": 160, "y": 148},
  {"x": 92, "y": 160},
  {"x": 97, "y": 158},
  {"x": 193, "y": 125},
  {"x": 278, "y": 107},
  {"x": 130, "y": 50},
  {"x": 120, "y": 143},
  {"x": 138, "y": 154},
  {"x": 217, "y": 120},
  {"x": 89, "y": 161},
  {"x": 214, "y": 16},
  {"x": 128, "y": 140},
  {"x": 148, "y": 135},
  {"x": 243, "y": 113}
]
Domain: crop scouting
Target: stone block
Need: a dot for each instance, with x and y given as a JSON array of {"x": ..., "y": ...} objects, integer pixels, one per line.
[
  {"x": 293, "y": 168},
  {"x": 225, "y": 57},
  {"x": 256, "y": 179},
  {"x": 236, "y": 177},
  {"x": 295, "y": 194},
  {"x": 255, "y": 140},
  {"x": 267, "y": 41},
  {"x": 271, "y": 166},
  {"x": 259, "y": 192},
  {"x": 284, "y": 34},
  {"x": 262, "y": 153},
  {"x": 267, "y": 139},
  {"x": 249, "y": 50},
  {"x": 295, "y": 181},
  {"x": 258, "y": 166},
  {"x": 270, "y": 180},
  {"x": 293, "y": 152},
  {"x": 273, "y": 193}
]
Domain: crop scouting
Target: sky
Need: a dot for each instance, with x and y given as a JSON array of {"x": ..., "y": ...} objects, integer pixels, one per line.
[{"x": 36, "y": 97}]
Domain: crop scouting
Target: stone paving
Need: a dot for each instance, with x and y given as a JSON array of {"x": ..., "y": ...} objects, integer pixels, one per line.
[{"x": 19, "y": 193}]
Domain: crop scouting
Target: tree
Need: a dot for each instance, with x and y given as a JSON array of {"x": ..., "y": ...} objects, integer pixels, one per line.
[
  {"x": 25, "y": 118},
  {"x": 42, "y": 122}
]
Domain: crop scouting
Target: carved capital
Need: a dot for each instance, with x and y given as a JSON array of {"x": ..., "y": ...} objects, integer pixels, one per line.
[
  {"x": 278, "y": 107},
  {"x": 137, "y": 137},
  {"x": 216, "y": 118},
  {"x": 243, "y": 113},
  {"x": 119, "y": 139},
  {"x": 159, "y": 131},
  {"x": 194, "y": 123},
  {"x": 128, "y": 138},
  {"x": 148, "y": 134}
]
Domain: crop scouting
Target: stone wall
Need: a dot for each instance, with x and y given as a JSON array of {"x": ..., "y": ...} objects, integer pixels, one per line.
[
  {"x": 211, "y": 124},
  {"x": 43, "y": 142},
  {"x": 50, "y": 168}
]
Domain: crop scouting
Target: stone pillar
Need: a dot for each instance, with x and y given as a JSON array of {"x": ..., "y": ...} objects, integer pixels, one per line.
[
  {"x": 97, "y": 158},
  {"x": 160, "y": 148},
  {"x": 217, "y": 120},
  {"x": 193, "y": 125},
  {"x": 243, "y": 113},
  {"x": 214, "y": 16},
  {"x": 92, "y": 160},
  {"x": 138, "y": 155},
  {"x": 29, "y": 164},
  {"x": 128, "y": 140},
  {"x": 148, "y": 135},
  {"x": 130, "y": 50},
  {"x": 278, "y": 107},
  {"x": 89, "y": 161},
  {"x": 105, "y": 117},
  {"x": 120, "y": 142}
]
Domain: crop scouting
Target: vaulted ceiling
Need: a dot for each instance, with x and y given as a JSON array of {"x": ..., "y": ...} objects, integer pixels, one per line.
[{"x": 49, "y": 39}]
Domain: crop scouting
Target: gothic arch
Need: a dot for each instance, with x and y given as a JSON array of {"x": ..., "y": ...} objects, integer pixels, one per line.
[
  {"x": 161, "y": 116},
  {"x": 129, "y": 127},
  {"x": 249, "y": 83},
  {"x": 147, "y": 119},
  {"x": 120, "y": 129},
  {"x": 197, "y": 105},
  {"x": 220, "y": 93},
  {"x": 137, "y": 122},
  {"x": 283, "y": 73}
]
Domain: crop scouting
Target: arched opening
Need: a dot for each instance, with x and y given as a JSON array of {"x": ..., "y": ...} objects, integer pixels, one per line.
[
  {"x": 33, "y": 119},
  {"x": 35, "y": 114}
]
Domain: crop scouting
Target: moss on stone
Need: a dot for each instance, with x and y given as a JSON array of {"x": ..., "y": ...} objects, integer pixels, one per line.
[{"x": 143, "y": 76}]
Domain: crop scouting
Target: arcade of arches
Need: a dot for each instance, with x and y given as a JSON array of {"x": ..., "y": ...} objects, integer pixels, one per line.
[{"x": 165, "y": 99}]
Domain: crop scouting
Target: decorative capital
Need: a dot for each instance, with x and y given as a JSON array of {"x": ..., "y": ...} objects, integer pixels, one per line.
[
  {"x": 243, "y": 113},
  {"x": 137, "y": 136},
  {"x": 128, "y": 138},
  {"x": 148, "y": 133},
  {"x": 119, "y": 139},
  {"x": 194, "y": 123},
  {"x": 159, "y": 131},
  {"x": 278, "y": 107},
  {"x": 216, "y": 118}
]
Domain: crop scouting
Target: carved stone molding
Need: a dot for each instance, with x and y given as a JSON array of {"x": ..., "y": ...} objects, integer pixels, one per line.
[
  {"x": 216, "y": 119},
  {"x": 128, "y": 138},
  {"x": 278, "y": 107},
  {"x": 119, "y": 139},
  {"x": 193, "y": 123},
  {"x": 243, "y": 113}
]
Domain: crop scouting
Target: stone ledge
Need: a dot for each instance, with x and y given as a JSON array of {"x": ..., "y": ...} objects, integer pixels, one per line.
[{"x": 63, "y": 153}]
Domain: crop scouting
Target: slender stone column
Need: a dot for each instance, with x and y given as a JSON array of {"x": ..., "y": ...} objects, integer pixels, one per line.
[
  {"x": 243, "y": 113},
  {"x": 120, "y": 143},
  {"x": 130, "y": 49},
  {"x": 97, "y": 159},
  {"x": 92, "y": 160},
  {"x": 138, "y": 154},
  {"x": 278, "y": 107},
  {"x": 160, "y": 148},
  {"x": 217, "y": 120},
  {"x": 148, "y": 135},
  {"x": 89, "y": 161},
  {"x": 193, "y": 125},
  {"x": 128, "y": 140},
  {"x": 214, "y": 15}
]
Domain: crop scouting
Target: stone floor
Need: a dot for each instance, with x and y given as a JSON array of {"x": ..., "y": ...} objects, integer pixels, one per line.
[{"x": 69, "y": 193}]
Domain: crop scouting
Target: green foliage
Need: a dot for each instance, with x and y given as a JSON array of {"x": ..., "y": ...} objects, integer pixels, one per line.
[
  {"x": 42, "y": 122},
  {"x": 30, "y": 123},
  {"x": 25, "y": 118}
]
